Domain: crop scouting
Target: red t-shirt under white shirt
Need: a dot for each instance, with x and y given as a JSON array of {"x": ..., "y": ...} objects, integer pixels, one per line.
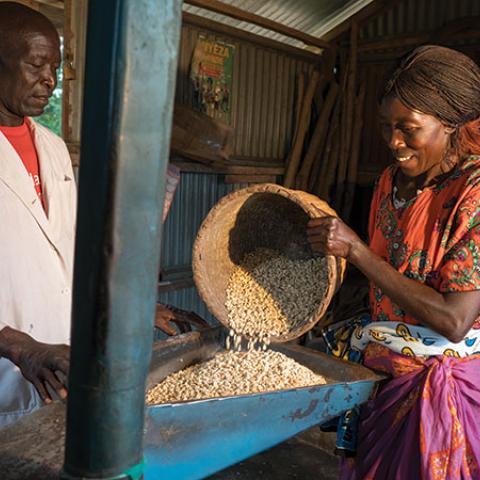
[{"x": 22, "y": 141}]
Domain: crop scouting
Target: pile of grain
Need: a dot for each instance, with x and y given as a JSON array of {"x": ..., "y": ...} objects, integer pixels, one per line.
[
  {"x": 267, "y": 295},
  {"x": 234, "y": 373}
]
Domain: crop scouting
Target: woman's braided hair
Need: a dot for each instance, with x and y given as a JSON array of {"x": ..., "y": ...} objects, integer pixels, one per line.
[{"x": 444, "y": 83}]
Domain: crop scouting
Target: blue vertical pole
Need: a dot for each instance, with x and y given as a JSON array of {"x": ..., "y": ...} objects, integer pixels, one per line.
[{"x": 132, "y": 50}]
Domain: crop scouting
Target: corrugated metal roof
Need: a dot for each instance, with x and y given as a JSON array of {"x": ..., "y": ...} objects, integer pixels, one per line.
[
  {"x": 315, "y": 17},
  {"x": 412, "y": 16}
]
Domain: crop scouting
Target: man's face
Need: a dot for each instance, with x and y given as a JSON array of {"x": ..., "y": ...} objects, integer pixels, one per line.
[{"x": 28, "y": 77}]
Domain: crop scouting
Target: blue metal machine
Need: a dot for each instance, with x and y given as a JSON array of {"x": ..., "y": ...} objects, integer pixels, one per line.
[{"x": 194, "y": 439}]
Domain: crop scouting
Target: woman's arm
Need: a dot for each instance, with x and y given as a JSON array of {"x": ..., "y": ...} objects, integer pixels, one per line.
[{"x": 450, "y": 314}]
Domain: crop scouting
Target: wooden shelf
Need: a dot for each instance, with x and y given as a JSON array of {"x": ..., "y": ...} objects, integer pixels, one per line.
[{"x": 232, "y": 168}]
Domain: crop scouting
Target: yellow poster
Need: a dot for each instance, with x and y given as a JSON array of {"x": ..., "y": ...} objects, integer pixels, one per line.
[{"x": 211, "y": 74}]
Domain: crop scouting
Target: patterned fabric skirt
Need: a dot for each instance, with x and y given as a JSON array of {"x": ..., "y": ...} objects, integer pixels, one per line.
[{"x": 423, "y": 423}]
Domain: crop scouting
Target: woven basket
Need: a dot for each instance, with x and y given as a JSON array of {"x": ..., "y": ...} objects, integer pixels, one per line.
[{"x": 264, "y": 215}]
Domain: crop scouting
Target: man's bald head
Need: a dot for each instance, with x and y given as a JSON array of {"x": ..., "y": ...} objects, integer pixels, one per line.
[
  {"x": 17, "y": 22},
  {"x": 29, "y": 59}
]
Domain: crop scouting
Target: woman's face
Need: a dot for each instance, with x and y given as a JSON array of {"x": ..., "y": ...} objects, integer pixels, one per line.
[{"x": 417, "y": 141}]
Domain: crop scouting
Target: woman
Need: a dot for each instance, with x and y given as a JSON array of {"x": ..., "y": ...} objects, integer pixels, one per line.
[{"x": 423, "y": 263}]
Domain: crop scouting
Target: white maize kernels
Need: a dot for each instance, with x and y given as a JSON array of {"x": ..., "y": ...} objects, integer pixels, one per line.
[
  {"x": 270, "y": 294},
  {"x": 267, "y": 295},
  {"x": 234, "y": 373}
]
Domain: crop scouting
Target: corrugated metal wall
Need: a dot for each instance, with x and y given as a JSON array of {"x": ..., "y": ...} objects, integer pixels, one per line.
[
  {"x": 262, "y": 112},
  {"x": 263, "y": 94},
  {"x": 406, "y": 18},
  {"x": 196, "y": 194},
  {"x": 412, "y": 16}
]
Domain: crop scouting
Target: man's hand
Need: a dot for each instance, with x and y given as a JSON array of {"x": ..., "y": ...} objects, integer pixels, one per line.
[
  {"x": 172, "y": 321},
  {"x": 329, "y": 235},
  {"x": 37, "y": 361}
]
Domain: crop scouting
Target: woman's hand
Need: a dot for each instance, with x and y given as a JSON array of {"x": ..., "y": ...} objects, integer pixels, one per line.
[
  {"x": 450, "y": 314},
  {"x": 329, "y": 235}
]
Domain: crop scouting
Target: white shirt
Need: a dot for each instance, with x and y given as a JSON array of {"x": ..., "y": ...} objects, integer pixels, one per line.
[{"x": 36, "y": 257}]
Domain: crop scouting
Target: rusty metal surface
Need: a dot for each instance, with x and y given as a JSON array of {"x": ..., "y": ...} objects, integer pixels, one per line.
[{"x": 33, "y": 447}]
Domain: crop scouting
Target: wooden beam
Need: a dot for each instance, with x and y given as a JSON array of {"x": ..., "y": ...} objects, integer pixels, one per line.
[
  {"x": 257, "y": 169},
  {"x": 174, "y": 279},
  {"x": 393, "y": 55},
  {"x": 29, "y": 3},
  {"x": 243, "y": 35},
  {"x": 53, "y": 3},
  {"x": 458, "y": 26},
  {"x": 244, "y": 16},
  {"x": 229, "y": 179},
  {"x": 394, "y": 42},
  {"x": 174, "y": 285}
]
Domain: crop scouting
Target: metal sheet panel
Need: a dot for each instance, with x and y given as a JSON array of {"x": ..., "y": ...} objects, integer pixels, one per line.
[
  {"x": 263, "y": 97},
  {"x": 315, "y": 17},
  {"x": 411, "y": 16},
  {"x": 196, "y": 194}
]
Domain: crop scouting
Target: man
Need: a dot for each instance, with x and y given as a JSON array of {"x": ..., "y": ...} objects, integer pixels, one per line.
[{"x": 37, "y": 218}]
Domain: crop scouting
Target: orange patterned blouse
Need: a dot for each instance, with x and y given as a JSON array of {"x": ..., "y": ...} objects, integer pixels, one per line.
[{"x": 434, "y": 238}]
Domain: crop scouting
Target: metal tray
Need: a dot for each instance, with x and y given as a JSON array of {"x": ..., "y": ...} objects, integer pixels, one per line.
[{"x": 194, "y": 439}]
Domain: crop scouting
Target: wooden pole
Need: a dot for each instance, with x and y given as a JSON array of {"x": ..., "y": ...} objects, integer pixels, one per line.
[
  {"x": 330, "y": 155},
  {"x": 296, "y": 152},
  {"x": 318, "y": 138},
  {"x": 298, "y": 112},
  {"x": 244, "y": 16},
  {"x": 347, "y": 117},
  {"x": 355, "y": 153},
  {"x": 299, "y": 100},
  {"x": 329, "y": 166}
]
